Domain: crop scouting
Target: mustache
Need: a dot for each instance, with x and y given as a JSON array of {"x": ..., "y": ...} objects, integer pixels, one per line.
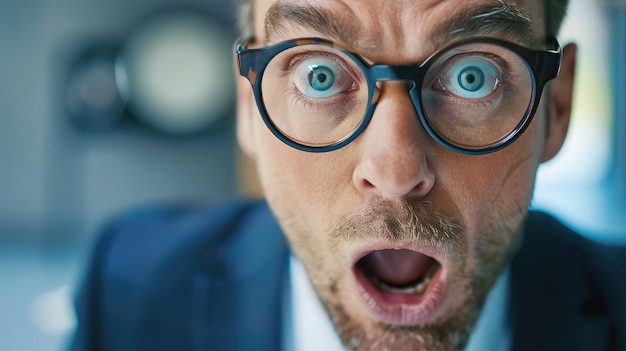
[{"x": 400, "y": 222}]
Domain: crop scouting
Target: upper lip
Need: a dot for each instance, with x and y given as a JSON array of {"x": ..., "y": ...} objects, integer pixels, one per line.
[{"x": 423, "y": 249}]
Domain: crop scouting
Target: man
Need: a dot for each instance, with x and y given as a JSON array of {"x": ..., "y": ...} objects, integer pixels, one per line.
[{"x": 397, "y": 144}]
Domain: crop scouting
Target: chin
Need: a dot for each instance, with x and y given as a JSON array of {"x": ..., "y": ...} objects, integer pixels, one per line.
[{"x": 403, "y": 277}]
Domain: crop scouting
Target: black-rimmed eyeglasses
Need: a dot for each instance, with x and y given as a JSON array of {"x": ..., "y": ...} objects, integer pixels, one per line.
[{"x": 475, "y": 96}]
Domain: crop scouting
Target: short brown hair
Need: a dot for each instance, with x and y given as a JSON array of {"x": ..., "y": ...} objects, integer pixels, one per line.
[{"x": 555, "y": 11}]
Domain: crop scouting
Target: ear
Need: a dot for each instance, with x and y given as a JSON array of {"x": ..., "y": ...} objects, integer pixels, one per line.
[
  {"x": 245, "y": 113},
  {"x": 560, "y": 104}
]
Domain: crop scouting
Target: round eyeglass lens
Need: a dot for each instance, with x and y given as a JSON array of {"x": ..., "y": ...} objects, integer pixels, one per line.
[
  {"x": 476, "y": 95},
  {"x": 314, "y": 94}
]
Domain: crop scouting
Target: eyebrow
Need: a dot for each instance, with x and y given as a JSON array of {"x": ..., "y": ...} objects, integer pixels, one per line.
[
  {"x": 281, "y": 14},
  {"x": 496, "y": 18}
]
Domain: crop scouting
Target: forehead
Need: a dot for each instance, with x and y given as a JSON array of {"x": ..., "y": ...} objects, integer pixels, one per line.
[{"x": 385, "y": 24}]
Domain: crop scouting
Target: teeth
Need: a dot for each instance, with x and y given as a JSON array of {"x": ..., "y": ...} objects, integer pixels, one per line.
[{"x": 419, "y": 288}]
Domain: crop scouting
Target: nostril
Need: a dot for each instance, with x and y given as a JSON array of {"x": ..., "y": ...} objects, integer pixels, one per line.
[
  {"x": 363, "y": 185},
  {"x": 424, "y": 186}
]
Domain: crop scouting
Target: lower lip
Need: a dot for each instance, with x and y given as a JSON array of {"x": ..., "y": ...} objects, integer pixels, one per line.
[{"x": 402, "y": 309}]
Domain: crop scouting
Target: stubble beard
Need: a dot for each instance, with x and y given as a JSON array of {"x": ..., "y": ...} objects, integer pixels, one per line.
[{"x": 474, "y": 268}]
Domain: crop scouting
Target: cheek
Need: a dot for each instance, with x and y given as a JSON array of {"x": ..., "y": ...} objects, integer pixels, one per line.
[
  {"x": 302, "y": 185},
  {"x": 496, "y": 187},
  {"x": 307, "y": 194}
]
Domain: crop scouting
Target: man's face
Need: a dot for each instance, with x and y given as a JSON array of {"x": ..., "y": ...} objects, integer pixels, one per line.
[{"x": 401, "y": 238}]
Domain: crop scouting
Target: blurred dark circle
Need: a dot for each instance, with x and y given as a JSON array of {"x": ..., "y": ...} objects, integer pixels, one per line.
[{"x": 92, "y": 99}]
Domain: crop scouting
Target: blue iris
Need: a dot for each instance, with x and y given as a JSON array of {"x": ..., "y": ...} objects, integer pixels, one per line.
[
  {"x": 321, "y": 78},
  {"x": 471, "y": 78}
]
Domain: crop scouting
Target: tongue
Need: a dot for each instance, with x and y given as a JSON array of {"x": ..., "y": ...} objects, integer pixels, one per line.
[{"x": 396, "y": 267}]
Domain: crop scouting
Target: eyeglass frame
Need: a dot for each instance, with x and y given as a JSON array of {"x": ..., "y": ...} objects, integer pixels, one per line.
[{"x": 543, "y": 64}]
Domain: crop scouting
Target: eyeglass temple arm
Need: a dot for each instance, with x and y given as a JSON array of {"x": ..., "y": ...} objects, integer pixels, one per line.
[
  {"x": 548, "y": 62},
  {"x": 246, "y": 60}
]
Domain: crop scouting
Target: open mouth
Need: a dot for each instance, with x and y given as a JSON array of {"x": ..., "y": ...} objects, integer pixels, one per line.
[{"x": 400, "y": 286}]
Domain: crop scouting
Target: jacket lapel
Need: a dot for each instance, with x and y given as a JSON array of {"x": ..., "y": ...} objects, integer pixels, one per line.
[
  {"x": 241, "y": 299},
  {"x": 555, "y": 304}
]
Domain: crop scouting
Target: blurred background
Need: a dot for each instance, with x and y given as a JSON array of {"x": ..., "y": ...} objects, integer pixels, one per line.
[{"x": 111, "y": 105}]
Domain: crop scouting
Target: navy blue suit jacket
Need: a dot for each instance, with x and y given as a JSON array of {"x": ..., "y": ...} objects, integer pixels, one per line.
[{"x": 184, "y": 278}]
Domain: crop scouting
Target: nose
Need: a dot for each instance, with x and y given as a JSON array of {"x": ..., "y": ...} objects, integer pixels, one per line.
[{"x": 393, "y": 162}]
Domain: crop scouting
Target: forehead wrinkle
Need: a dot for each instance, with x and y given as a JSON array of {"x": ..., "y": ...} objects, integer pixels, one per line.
[{"x": 500, "y": 18}]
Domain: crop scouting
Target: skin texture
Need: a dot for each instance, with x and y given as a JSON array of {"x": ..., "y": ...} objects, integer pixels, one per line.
[{"x": 396, "y": 187}]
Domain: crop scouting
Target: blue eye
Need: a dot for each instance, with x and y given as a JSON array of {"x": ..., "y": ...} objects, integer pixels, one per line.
[
  {"x": 471, "y": 78},
  {"x": 321, "y": 78}
]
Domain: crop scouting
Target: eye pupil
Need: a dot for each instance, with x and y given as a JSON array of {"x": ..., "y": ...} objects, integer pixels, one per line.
[
  {"x": 471, "y": 78},
  {"x": 320, "y": 78}
]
